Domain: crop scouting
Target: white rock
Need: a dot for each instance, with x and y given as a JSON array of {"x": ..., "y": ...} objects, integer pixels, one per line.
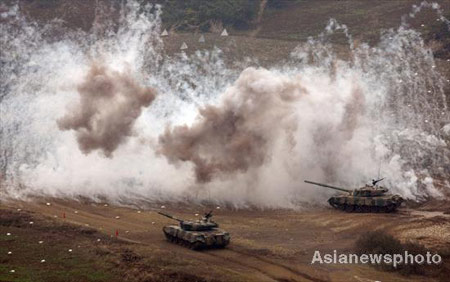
[
  {"x": 117, "y": 217},
  {"x": 163, "y": 207},
  {"x": 40, "y": 242},
  {"x": 9, "y": 253},
  {"x": 31, "y": 222},
  {"x": 12, "y": 271},
  {"x": 48, "y": 204},
  {"x": 70, "y": 250},
  {"x": 42, "y": 260},
  {"x": 8, "y": 234}
]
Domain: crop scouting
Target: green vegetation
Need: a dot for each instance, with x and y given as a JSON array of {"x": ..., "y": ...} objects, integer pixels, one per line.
[
  {"x": 60, "y": 264},
  {"x": 202, "y": 15},
  {"x": 193, "y": 14},
  {"x": 48, "y": 240}
]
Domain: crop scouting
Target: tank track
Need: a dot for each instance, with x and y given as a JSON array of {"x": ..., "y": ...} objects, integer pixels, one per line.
[
  {"x": 365, "y": 209},
  {"x": 184, "y": 243}
]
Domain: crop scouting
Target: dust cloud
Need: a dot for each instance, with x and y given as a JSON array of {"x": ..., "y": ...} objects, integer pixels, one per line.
[
  {"x": 241, "y": 135},
  {"x": 110, "y": 103},
  {"x": 237, "y": 134}
]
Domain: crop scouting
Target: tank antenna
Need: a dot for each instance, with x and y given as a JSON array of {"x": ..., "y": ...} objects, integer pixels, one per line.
[{"x": 379, "y": 169}]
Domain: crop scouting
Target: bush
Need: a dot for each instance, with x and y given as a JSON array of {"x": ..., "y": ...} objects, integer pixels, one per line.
[
  {"x": 380, "y": 242},
  {"x": 128, "y": 256},
  {"x": 15, "y": 219}
]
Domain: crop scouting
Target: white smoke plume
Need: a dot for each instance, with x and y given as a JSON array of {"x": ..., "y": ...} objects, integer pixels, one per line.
[{"x": 245, "y": 136}]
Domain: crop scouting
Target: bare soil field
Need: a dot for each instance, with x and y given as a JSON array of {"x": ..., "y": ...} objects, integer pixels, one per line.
[{"x": 267, "y": 245}]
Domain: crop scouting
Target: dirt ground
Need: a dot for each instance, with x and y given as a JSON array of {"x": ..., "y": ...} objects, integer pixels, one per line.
[{"x": 267, "y": 245}]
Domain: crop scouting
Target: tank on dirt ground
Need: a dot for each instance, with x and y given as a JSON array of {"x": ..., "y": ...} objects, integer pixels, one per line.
[
  {"x": 370, "y": 198},
  {"x": 196, "y": 234}
]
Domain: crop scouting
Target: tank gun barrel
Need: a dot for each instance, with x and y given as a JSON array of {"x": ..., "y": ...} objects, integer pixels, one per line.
[
  {"x": 328, "y": 186},
  {"x": 170, "y": 216}
]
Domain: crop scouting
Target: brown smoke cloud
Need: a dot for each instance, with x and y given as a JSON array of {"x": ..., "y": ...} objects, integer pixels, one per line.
[
  {"x": 354, "y": 110},
  {"x": 110, "y": 103},
  {"x": 236, "y": 135}
]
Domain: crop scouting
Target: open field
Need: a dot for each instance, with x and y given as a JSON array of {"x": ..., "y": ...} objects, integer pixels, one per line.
[
  {"x": 267, "y": 245},
  {"x": 77, "y": 237}
]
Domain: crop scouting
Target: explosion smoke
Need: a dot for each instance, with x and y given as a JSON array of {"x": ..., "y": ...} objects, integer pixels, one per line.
[
  {"x": 237, "y": 134},
  {"x": 110, "y": 104},
  {"x": 258, "y": 133}
]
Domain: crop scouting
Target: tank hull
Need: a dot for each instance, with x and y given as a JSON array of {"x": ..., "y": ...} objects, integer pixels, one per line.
[
  {"x": 197, "y": 240},
  {"x": 348, "y": 203}
]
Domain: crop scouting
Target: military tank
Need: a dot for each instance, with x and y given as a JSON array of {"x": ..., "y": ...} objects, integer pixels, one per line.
[
  {"x": 197, "y": 234},
  {"x": 370, "y": 198}
]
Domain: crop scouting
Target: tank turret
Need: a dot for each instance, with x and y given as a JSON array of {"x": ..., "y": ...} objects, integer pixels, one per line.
[
  {"x": 370, "y": 198},
  {"x": 196, "y": 234}
]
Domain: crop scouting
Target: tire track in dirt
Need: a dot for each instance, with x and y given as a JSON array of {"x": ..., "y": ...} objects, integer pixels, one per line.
[
  {"x": 206, "y": 256},
  {"x": 274, "y": 270},
  {"x": 270, "y": 269},
  {"x": 287, "y": 268}
]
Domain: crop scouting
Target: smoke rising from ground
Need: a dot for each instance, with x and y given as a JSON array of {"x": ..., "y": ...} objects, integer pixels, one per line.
[
  {"x": 245, "y": 136},
  {"x": 110, "y": 103},
  {"x": 237, "y": 134}
]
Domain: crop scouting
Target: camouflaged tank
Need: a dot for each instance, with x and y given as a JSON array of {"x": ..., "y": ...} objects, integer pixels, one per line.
[
  {"x": 370, "y": 198},
  {"x": 198, "y": 234}
]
